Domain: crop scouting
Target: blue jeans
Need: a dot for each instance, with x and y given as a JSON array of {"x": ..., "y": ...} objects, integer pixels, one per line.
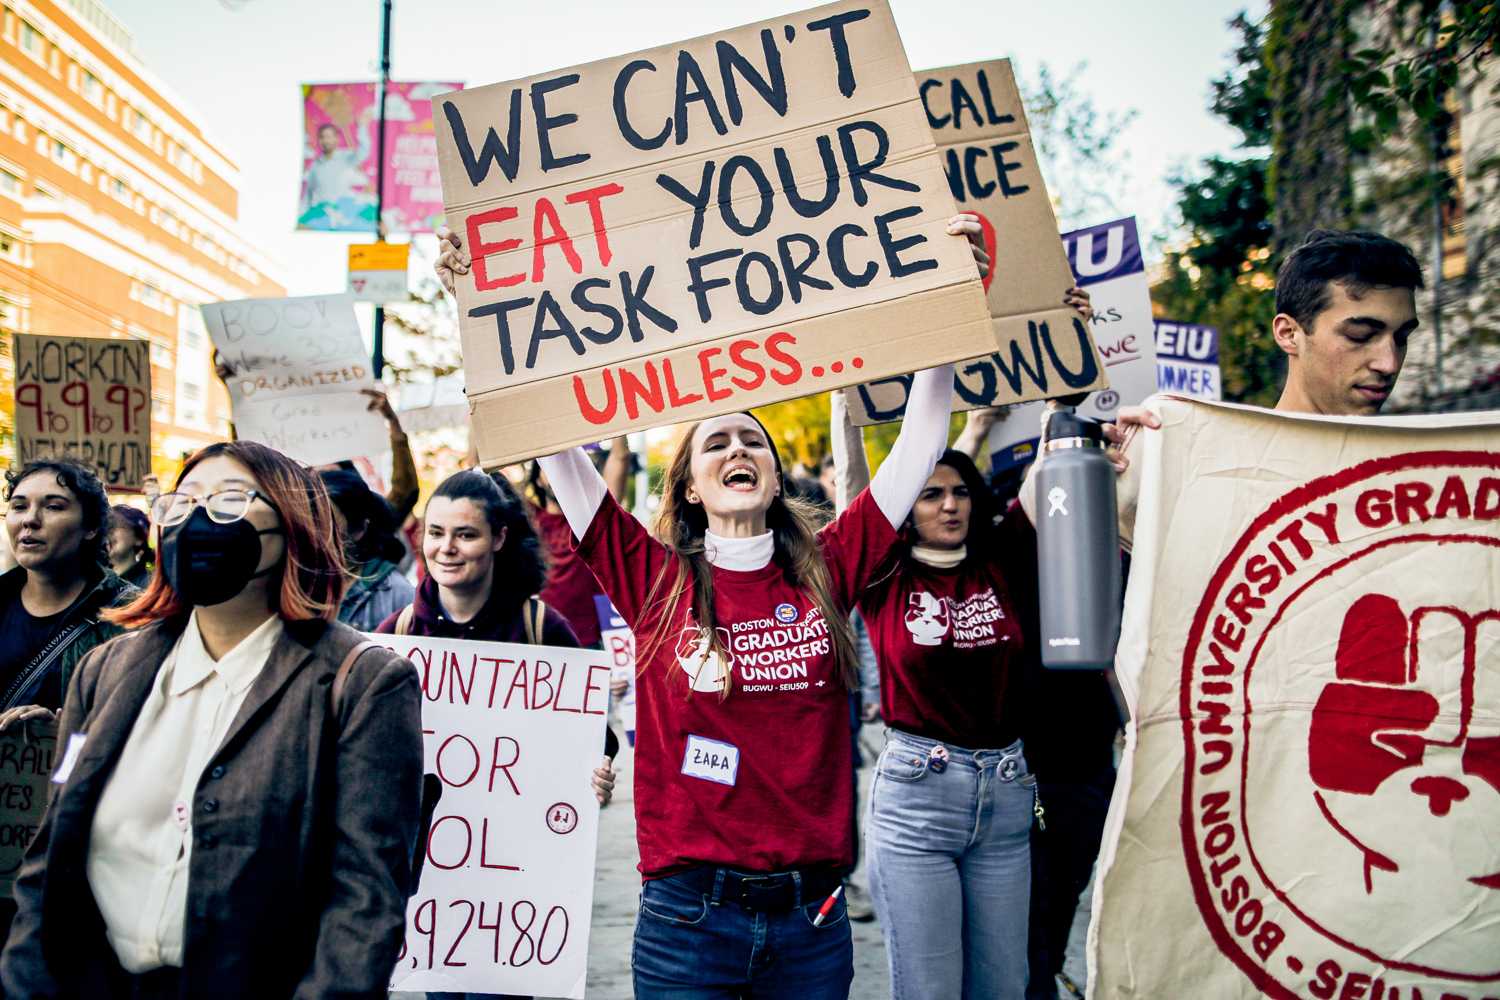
[
  {"x": 691, "y": 946},
  {"x": 950, "y": 869}
]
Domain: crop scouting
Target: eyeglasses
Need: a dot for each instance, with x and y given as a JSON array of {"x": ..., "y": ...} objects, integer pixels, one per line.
[{"x": 223, "y": 507}]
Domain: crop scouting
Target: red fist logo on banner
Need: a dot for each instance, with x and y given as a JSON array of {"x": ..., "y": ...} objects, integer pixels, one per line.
[{"x": 1404, "y": 694}]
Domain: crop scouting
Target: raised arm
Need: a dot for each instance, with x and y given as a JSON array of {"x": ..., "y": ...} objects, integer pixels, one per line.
[
  {"x": 851, "y": 468},
  {"x": 924, "y": 435},
  {"x": 618, "y": 466},
  {"x": 577, "y": 486}
]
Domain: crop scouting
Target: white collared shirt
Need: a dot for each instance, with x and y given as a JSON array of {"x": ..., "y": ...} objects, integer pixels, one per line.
[{"x": 142, "y": 835}]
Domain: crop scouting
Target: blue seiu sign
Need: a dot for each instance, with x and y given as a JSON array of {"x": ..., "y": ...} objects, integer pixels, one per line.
[
  {"x": 1106, "y": 251},
  {"x": 1177, "y": 341}
]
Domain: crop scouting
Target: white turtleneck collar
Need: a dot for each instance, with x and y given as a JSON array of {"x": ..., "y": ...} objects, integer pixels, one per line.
[
  {"x": 743, "y": 555},
  {"x": 939, "y": 558}
]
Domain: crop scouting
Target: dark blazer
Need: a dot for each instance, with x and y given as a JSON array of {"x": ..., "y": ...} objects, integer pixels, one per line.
[{"x": 303, "y": 828}]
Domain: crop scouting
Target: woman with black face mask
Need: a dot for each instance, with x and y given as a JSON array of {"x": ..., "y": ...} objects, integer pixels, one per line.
[{"x": 239, "y": 780}]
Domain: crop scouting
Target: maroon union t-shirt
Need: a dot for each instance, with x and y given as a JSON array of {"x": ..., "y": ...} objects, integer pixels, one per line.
[
  {"x": 570, "y": 584},
  {"x": 757, "y": 780},
  {"x": 946, "y": 640}
]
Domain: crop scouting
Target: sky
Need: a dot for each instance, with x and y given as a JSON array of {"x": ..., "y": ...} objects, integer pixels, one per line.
[{"x": 236, "y": 66}]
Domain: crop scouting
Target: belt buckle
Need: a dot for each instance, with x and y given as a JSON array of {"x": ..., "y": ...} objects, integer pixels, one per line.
[
  {"x": 937, "y": 759},
  {"x": 758, "y": 891}
]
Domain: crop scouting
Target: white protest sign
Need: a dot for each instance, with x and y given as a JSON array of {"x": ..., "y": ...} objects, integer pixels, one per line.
[
  {"x": 1107, "y": 261},
  {"x": 514, "y": 733},
  {"x": 619, "y": 645},
  {"x": 1187, "y": 359},
  {"x": 298, "y": 367}
]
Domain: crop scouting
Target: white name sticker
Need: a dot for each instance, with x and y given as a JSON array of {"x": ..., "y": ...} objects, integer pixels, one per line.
[
  {"x": 711, "y": 760},
  {"x": 70, "y": 757}
]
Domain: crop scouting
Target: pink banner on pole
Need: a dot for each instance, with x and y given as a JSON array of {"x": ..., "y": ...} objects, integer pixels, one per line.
[{"x": 340, "y": 122}]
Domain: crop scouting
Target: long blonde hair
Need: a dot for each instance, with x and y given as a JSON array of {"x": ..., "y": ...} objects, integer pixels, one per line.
[{"x": 681, "y": 526}]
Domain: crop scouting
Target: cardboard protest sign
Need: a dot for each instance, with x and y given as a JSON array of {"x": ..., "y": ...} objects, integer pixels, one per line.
[
  {"x": 85, "y": 398},
  {"x": 339, "y": 165},
  {"x": 1311, "y": 653},
  {"x": 1043, "y": 349},
  {"x": 505, "y": 899},
  {"x": 701, "y": 228},
  {"x": 299, "y": 365},
  {"x": 1107, "y": 261},
  {"x": 377, "y": 271},
  {"x": 1187, "y": 359},
  {"x": 26, "y": 755}
]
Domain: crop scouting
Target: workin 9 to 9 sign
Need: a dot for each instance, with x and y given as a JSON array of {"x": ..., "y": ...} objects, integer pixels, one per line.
[
  {"x": 701, "y": 228},
  {"x": 88, "y": 399}
]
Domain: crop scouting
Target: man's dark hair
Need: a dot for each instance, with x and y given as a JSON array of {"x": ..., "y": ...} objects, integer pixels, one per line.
[
  {"x": 127, "y": 516},
  {"x": 86, "y": 488},
  {"x": 1355, "y": 259}
]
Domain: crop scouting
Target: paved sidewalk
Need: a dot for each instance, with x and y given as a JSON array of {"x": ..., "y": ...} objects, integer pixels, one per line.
[{"x": 617, "y": 888}]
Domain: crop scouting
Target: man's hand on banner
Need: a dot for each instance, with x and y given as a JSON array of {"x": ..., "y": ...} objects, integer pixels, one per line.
[
  {"x": 1128, "y": 420},
  {"x": 604, "y": 782}
]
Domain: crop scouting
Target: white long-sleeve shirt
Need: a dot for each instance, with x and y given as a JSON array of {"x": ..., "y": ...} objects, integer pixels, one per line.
[
  {"x": 580, "y": 489},
  {"x": 142, "y": 836}
]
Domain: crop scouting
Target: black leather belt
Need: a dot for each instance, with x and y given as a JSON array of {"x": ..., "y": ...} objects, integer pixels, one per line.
[{"x": 762, "y": 892}]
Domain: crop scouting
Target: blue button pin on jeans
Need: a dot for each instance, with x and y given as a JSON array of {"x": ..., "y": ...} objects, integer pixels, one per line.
[{"x": 937, "y": 760}]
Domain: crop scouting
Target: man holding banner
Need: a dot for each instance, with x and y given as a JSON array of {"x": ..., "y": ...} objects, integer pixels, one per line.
[{"x": 1311, "y": 751}]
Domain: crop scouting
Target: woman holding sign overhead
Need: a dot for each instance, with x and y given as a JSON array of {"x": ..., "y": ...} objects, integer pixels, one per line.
[
  {"x": 744, "y": 806},
  {"x": 238, "y": 789}
]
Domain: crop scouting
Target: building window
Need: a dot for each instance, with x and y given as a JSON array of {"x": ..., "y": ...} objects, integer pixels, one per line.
[
  {"x": 191, "y": 391},
  {"x": 10, "y": 184},
  {"x": 44, "y": 190},
  {"x": 64, "y": 156},
  {"x": 31, "y": 41},
  {"x": 140, "y": 126},
  {"x": 86, "y": 171},
  {"x": 109, "y": 106},
  {"x": 161, "y": 408},
  {"x": 93, "y": 90},
  {"x": 161, "y": 355}
]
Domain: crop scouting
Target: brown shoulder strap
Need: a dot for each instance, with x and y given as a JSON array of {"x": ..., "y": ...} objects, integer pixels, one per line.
[
  {"x": 403, "y": 620},
  {"x": 536, "y": 611},
  {"x": 341, "y": 677}
]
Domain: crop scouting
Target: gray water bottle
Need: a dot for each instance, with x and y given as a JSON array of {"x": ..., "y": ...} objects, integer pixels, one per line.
[{"x": 1078, "y": 545}]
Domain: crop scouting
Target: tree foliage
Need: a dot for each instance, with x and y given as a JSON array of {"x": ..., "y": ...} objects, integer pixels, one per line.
[{"x": 1221, "y": 276}]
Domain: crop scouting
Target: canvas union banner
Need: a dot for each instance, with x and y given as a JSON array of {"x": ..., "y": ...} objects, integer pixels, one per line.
[
  {"x": 709, "y": 226},
  {"x": 1310, "y": 797}
]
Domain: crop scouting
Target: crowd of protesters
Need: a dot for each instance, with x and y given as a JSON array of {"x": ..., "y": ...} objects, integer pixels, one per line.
[{"x": 237, "y": 799}]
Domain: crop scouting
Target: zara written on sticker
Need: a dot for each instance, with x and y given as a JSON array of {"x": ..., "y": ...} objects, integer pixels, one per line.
[{"x": 711, "y": 760}]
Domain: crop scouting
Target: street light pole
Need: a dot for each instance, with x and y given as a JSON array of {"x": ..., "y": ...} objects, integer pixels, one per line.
[{"x": 377, "y": 360}]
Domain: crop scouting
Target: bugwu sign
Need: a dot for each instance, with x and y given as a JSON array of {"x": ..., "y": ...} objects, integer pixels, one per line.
[
  {"x": 1043, "y": 349},
  {"x": 705, "y": 227},
  {"x": 1310, "y": 801}
]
